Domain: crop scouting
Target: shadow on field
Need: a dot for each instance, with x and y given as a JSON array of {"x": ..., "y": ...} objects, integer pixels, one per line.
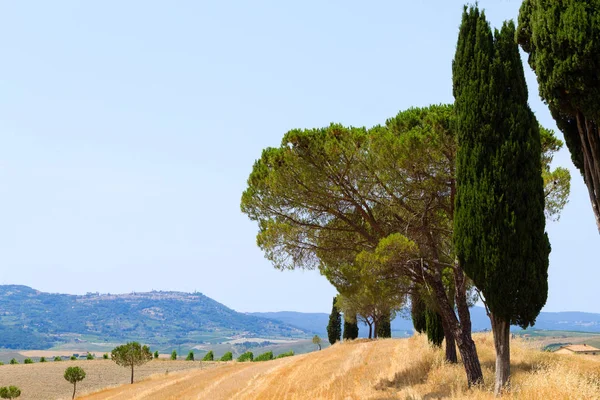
[{"x": 413, "y": 375}]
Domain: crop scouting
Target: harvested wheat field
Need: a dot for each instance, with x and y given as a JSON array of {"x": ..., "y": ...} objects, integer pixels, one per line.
[
  {"x": 45, "y": 380},
  {"x": 381, "y": 369}
]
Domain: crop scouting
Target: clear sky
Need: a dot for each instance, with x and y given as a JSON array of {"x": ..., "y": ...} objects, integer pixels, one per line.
[{"x": 128, "y": 130}]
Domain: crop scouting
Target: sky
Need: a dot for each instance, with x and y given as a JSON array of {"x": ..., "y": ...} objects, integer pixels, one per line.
[{"x": 128, "y": 131}]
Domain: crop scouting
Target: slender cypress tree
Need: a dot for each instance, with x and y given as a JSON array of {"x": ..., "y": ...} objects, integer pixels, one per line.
[
  {"x": 350, "y": 328},
  {"x": 499, "y": 223},
  {"x": 334, "y": 327},
  {"x": 435, "y": 331},
  {"x": 417, "y": 313},
  {"x": 384, "y": 327},
  {"x": 561, "y": 37}
]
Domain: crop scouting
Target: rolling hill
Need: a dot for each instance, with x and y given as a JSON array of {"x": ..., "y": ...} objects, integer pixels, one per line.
[
  {"x": 30, "y": 319},
  {"x": 378, "y": 369}
]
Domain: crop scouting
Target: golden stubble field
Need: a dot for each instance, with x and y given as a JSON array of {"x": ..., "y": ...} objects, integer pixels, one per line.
[
  {"x": 45, "y": 381},
  {"x": 382, "y": 369}
]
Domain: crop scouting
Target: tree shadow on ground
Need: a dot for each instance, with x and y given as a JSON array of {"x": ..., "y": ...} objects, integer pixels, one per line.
[{"x": 415, "y": 374}]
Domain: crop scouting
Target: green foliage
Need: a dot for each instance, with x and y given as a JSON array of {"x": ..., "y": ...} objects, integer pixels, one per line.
[
  {"x": 28, "y": 361},
  {"x": 57, "y": 358},
  {"x": 227, "y": 356},
  {"x": 384, "y": 327},
  {"x": 42, "y": 359},
  {"x": 131, "y": 354},
  {"x": 173, "y": 355},
  {"x": 247, "y": 356},
  {"x": 73, "y": 358},
  {"x": 13, "y": 361},
  {"x": 209, "y": 356},
  {"x": 334, "y": 327},
  {"x": 286, "y": 354},
  {"x": 74, "y": 374},
  {"x": 89, "y": 356},
  {"x": 190, "y": 356},
  {"x": 561, "y": 39},
  {"x": 156, "y": 355},
  {"x": 499, "y": 222},
  {"x": 417, "y": 313},
  {"x": 265, "y": 356},
  {"x": 9, "y": 392},
  {"x": 435, "y": 330},
  {"x": 350, "y": 327},
  {"x": 1, "y": 363},
  {"x": 105, "y": 356},
  {"x": 317, "y": 340}
]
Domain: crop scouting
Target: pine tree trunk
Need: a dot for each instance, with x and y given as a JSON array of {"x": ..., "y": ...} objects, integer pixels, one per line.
[
  {"x": 375, "y": 327},
  {"x": 501, "y": 330},
  {"x": 590, "y": 145},
  {"x": 74, "y": 389},
  {"x": 132, "y": 373},
  {"x": 459, "y": 327},
  {"x": 370, "y": 329}
]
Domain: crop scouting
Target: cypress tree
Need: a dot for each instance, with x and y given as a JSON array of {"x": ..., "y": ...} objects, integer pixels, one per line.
[
  {"x": 561, "y": 37},
  {"x": 334, "y": 327},
  {"x": 350, "y": 328},
  {"x": 417, "y": 313},
  {"x": 499, "y": 223},
  {"x": 384, "y": 327},
  {"x": 435, "y": 330}
]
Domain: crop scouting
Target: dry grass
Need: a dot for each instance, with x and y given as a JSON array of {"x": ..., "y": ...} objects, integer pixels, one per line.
[
  {"x": 383, "y": 369},
  {"x": 45, "y": 380}
]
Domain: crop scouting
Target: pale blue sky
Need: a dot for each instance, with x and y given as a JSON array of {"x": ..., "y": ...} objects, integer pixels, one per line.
[{"x": 128, "y": 130}]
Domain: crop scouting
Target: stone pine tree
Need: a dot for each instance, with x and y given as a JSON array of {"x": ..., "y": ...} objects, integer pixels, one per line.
[
  {"x": 561, "y": 37},
  {"x": 350, "y": 327},
  {"x": 334, "y": 327},
  {"x": 74, "y": 375},
  {"x": 499, "y": 223},
  {"x": 130, "y": 355}
]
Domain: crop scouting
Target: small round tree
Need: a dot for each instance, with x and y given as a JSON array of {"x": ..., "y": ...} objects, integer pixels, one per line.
[
  {"x": 130, "y": 355},
  {"x": 28, "y": 361},
  {"x": 73, "y": 358},
  {"x": 190, "y": 356},
  {"x": 74, "y": 375},
  {"x": 105, "y": 356},
  {"x": 156, "y": 354},
  {"x": 89, "y": 356},
  {"x": 9, "y": 392},
  {"x": 209, "y": 356},
  {"x": 57, "y": 358},
  {"x": 174, "y": 355},
  {"x": 317, "y": 340},
  {"x": 13, "y": 361},
  {"x": 42, "y": 359},
  {"x": 227, "y": 356}
]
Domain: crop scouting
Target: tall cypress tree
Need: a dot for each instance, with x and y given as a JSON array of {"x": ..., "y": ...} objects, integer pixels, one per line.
[
  {"x": 499, "y": 224},
  {"x": 561, "y": 37},
  {"x": 350, "y": 328},
  {"x": 435, "y": 330},
  {"x": 384, "y": 327},
  {"x": 334, "y": 327},
  {"x": 417, "y": 313}
]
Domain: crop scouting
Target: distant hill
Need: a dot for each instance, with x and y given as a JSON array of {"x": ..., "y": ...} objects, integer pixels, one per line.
[
  {"x": 30, "y": 319},
  {"x": 561, "y": 321}
]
